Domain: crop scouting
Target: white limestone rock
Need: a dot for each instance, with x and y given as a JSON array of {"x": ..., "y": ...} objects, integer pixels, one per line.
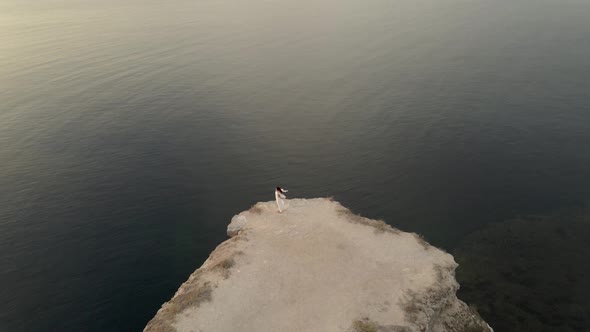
[{"x": 319, "y": 267}]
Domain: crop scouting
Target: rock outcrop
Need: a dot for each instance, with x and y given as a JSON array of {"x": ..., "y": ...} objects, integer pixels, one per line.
[{"x": 319, "y": 267}]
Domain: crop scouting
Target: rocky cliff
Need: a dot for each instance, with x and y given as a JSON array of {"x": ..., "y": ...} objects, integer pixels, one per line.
[{"x": 319, "y": 267}]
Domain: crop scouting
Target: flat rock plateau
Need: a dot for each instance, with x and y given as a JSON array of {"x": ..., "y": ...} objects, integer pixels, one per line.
[{"x": 319, "y": 267}]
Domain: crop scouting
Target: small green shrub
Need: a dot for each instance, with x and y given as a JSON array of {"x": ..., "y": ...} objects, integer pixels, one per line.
[{"x": 364, "y": 325}]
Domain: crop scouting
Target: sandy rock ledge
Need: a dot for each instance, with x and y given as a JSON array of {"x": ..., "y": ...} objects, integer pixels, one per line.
[{"x": 319, "y": 267}]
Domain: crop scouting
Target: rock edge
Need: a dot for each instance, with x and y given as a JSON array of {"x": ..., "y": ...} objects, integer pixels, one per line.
[{"x": 319, "y": 267}]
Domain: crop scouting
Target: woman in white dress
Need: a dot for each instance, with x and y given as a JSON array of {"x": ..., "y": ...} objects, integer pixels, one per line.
[{"x": 279, "y": 196}]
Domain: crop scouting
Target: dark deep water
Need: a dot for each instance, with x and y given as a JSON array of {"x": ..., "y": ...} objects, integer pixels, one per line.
[{"x": 132, "y": 131}]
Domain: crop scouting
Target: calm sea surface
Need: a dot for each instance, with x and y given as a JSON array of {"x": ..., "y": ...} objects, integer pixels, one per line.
[{"x": 132, "y": 131}]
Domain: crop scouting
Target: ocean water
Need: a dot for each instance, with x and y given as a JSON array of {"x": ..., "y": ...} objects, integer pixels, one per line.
[{"x": 132, "y": 131}]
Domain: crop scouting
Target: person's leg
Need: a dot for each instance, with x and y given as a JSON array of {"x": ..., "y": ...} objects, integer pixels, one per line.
[{"x": 279, "y": 205}]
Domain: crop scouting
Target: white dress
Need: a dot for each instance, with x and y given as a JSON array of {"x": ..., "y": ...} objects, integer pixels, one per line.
[{"x": 279, "y": 198}]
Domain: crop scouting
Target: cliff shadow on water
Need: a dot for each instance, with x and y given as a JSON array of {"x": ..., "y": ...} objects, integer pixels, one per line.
[{"x": 530, "y": 273}]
